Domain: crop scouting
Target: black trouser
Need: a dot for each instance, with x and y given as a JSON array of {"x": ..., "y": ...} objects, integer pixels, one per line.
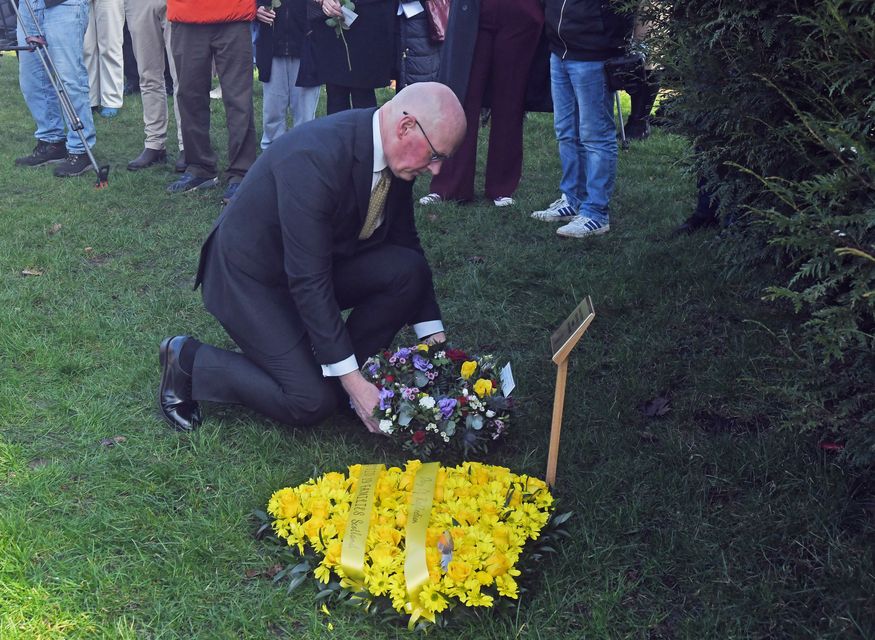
[
  {"x": 383, "y": 286},
  {"x": 340, "y": 98},
  {"x": 195, "y": 46}
]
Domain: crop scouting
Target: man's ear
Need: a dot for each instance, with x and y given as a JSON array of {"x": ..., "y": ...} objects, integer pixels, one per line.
[{"x": 405, "y": 125}]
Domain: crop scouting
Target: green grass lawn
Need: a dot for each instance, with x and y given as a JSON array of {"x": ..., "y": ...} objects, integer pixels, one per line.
[{"x": 705, "y": 523}]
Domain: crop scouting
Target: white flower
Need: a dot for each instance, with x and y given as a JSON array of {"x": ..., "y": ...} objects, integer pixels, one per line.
[
  {"x": 490, "y": 414},
  {"x": 426, "y": 402},
  {"x": 440, "y": 354},
  {"x": 431, "y": 427},
  {"x": 445, "y": 436},
  {"x": 386, "y": 426}
]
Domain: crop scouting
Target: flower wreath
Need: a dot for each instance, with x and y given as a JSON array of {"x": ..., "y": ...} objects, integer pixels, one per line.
[
  {"x": 437, "y": 399},
  {"x": 423, "y": 541}
]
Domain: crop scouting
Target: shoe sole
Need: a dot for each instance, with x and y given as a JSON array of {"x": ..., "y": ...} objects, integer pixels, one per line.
[
  {"x": 565, "y": 219},
  {"x": 146, "y": 166},
  {"x": 162, "y": 358},
  {"x": 74, "y": 175},
  {"x": 203, "y": 186},
  {"x": 597, "y": 232},
  {"x": 40, "y": 164}
]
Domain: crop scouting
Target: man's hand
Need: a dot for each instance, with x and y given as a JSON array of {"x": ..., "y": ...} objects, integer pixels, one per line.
[
  {"x": 436, "y": 338},
  {"x": 331, "y": 8},
  {"x": 365, "y": 398},
  {"x": 265, "y": 15}
]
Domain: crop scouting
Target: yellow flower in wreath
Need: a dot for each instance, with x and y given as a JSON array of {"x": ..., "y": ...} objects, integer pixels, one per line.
[
  {"x": 458, "y": 570},
  {"x": 483, "y": 387},
  {"x": 422, "y": 347},
  {"x": 468, "y": 368},
  {"x": 432, "y": 600}
]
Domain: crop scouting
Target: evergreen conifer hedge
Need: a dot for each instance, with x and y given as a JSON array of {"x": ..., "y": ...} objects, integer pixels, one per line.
[{"x": 778, "y": 98}]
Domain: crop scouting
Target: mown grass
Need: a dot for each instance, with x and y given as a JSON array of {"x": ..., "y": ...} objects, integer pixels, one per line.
[{"x": 705, "y": 523}]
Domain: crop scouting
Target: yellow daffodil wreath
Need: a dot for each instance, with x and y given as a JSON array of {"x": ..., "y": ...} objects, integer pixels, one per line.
[{"x": 479, "y": 518}]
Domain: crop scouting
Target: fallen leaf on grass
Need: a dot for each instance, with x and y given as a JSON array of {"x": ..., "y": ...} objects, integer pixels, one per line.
[
  {"x": 38, "y": 463},
  {"x": 55, "y": 228},
  {"x": 31, "y": 272},
  {"x": 647, "y": 436},
  {"x": 433, "y": 217},
  {"x": 88, "y": 249},
  {"x": 656, "y": 407},
  {"x": 111, "y": 442},
  {"x": 476, "y": 259},
  {"x": 270, "y": 572}
]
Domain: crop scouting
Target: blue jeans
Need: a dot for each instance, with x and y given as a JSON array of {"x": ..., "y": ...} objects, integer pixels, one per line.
[
  {"x": 583, "y": 118},
  {"x": 64, "y": 28}
]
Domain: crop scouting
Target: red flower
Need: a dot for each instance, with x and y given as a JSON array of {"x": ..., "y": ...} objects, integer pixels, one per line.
[
  {"x": 389, "y": 378},
  {"x": 457, "y": 355},
  {"x": 462, "y": 400},
  {"x": 418, "y": 437}
]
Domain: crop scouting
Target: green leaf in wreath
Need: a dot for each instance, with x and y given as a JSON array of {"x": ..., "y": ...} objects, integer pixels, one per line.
[{"x": 331, "y": 22}]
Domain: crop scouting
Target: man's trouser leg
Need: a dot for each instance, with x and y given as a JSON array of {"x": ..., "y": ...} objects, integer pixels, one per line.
[
  {"x": 384, "y": 286},
  {"x": 192, "y": 55},
  {"x": 232, "y": 47},
  {"x": 103, "y": 53}
]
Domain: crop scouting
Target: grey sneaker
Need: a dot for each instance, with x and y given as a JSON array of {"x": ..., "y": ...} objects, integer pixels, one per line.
[
  {"x": 582, "y": 227},
  {"x": 558, "y": 211},
  {"x": 42, "y": 153},
  {"x": 75, "y": 164}
]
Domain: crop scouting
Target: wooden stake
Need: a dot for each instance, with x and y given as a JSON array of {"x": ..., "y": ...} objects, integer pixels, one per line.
[
  {"x": 563, "y": 341},
  {"x": 556, "y": 425}
]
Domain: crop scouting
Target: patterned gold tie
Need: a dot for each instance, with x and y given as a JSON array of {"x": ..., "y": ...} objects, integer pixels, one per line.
[{"x": 376, "y": 204}]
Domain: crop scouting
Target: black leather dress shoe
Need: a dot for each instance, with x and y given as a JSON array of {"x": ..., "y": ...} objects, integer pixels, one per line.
[
  {"x": 174, "y": 396},
  {"x": 147, "y": 159}
]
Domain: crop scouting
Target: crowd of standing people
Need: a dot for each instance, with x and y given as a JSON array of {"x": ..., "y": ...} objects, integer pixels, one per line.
[{"x": 510, "y": 56}]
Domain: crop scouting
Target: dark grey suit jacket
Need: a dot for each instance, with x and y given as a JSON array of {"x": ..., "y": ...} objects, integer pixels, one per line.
[{"x": 267, "y": 265}]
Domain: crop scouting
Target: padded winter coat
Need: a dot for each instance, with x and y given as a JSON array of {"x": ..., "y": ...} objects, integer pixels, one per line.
[{"x": 210, "y": 11}]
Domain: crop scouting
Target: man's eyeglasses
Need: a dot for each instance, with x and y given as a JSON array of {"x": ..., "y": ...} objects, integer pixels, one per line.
[{"x": 435, "y": 155}]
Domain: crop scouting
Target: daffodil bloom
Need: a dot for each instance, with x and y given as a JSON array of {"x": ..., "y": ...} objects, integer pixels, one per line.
[
  {"x": 468, "y": 368},
  {"x": 483, "y": 387}
]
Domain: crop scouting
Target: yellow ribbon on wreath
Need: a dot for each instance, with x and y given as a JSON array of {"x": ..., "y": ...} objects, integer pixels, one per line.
[
  {"x": 415, "y": 565},
  {"x": 355, "y": 538}
]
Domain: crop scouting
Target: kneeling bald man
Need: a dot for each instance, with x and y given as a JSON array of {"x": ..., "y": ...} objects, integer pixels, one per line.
[{"x": 323, "y": 222}]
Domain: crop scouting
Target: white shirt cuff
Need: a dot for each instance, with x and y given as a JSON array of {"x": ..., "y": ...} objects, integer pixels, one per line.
[
  {"x": 425, "y": 329},
  {"x": 347, "y": 365}
]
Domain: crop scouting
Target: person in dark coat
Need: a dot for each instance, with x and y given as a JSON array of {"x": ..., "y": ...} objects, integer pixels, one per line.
[
  {"x": 419, "y": 55},
  {"x": 280, "y": 56},
  {"x": 322, "y": 222},
  {"x": 352, "y": 71},
  {"x": 490, "y": 46}
]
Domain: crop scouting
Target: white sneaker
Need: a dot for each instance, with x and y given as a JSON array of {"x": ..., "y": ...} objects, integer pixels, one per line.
[
  {"x": 558, "y": 211},
  {"x": 504, "y": 201},
  {"x": 431, "y": 198},
  {"x": 582, "y": 227}
]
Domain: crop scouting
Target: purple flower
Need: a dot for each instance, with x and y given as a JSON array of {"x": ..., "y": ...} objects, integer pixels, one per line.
[
  {"x": 386, "y": 396},
  {"x": 373, "y": 368},
  {"x": 402, "y": 354},
  {"x": 447, "y": 405},
  {"x": 421, "y": 363}
]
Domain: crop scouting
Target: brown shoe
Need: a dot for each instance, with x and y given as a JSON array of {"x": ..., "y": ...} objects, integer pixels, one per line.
[{"x": 147, "y": 159}]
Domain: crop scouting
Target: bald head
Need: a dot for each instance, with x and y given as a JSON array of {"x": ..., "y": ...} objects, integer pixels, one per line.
[{"x": 425, "y": 116}]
